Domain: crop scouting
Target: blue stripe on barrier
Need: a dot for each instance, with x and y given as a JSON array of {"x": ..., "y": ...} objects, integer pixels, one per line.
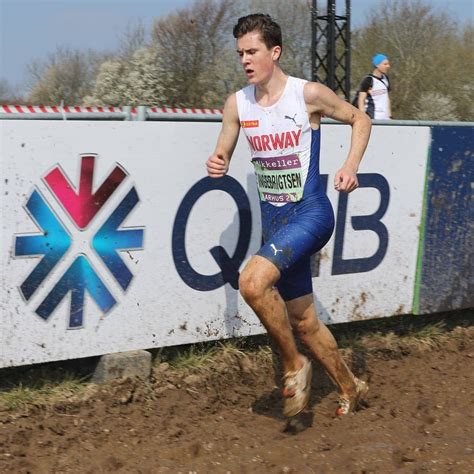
[{"x": 447, "y": 280}]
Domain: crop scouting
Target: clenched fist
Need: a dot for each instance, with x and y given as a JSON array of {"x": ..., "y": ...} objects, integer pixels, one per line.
[
  {"x": 345, "y": 180},
  {"x": 217, "y": 166}
]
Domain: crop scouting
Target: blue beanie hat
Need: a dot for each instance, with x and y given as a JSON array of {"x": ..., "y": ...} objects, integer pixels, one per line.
[{"x": 378, "y": 58}]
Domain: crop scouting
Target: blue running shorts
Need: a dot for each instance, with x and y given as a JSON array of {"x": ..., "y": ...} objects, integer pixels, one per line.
[{"x": 291, "y": 234}]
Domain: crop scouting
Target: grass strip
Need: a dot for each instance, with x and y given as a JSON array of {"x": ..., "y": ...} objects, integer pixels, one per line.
[{"x": 39, "y": 385}]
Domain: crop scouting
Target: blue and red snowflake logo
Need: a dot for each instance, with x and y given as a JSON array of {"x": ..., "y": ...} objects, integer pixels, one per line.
[{"x": 54, "y": 241}]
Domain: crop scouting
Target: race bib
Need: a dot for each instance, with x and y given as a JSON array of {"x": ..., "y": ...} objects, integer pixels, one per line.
[{"x": 279, "y": 179}]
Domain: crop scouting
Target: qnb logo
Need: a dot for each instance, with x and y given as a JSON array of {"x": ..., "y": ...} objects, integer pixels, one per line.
[{"x": 55, "y": 242}]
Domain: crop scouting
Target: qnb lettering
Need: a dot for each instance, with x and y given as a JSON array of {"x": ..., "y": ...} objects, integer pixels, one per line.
[
  {"x": 229, "y": 265},
  {"x": 275, "y": 141},
  {"x": 372, "y": 222},
  {"x": 280, "y": 182}
]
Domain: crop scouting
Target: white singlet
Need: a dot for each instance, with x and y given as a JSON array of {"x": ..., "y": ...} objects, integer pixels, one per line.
[
  {"x": 379, "y": 95},
  {"x": 279, "y": 137}
]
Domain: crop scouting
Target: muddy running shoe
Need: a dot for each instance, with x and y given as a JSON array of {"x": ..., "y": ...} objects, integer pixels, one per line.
[
  {"x": 349, "y": 404},
  {"x": 296, "y": 389}
]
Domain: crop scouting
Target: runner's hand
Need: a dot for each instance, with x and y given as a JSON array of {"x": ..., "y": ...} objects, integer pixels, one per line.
[
  {"x": 345, "y": 180},
  {"x": 216, "y": 166}
]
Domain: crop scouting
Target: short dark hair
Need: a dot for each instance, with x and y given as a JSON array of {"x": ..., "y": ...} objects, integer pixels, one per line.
[{"x": 269, "y": 29}]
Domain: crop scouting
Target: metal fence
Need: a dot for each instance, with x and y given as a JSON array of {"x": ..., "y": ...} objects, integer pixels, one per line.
[{"x": 165, "y": 114}]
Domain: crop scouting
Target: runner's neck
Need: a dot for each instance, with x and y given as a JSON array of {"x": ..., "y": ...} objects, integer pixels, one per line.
[{"x": 267, "y": 94}]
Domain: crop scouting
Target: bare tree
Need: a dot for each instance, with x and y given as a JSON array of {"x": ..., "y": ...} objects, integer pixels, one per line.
[
  {"x": 132, "y": 39},
  {"x": 9, "y": 94},
  {"x": 198, "y": 48},
  {"x": 192, "y": 43},
  {"x": 65, "y": 76},
  {"x": 295, "y": 20},
  {"x": 189, "y": 58},
  {"x": 435, "y": 106}
]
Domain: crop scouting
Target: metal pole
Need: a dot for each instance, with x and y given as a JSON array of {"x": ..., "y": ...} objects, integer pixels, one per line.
[
  {"x": 347, "y": 59},
  {"x": 314, "y": 19},
  {"x": 328, "y": 30},
  {"x": 141, "y": 113},
  {"x": 127, "y": 110},
  {"x": 331, "y": 26}
]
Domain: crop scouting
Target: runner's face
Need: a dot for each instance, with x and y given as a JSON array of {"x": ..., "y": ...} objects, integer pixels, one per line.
[
  {"x": 256, "y": 59},
  {"x": 384, "y": 66}
]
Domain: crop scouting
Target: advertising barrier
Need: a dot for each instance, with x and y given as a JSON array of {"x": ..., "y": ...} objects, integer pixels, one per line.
[
  {"x": 113, "y": 238},
  {"x": 445, "y": 268}
]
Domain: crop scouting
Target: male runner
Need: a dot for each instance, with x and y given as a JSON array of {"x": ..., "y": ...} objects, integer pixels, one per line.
[{"x": 281, "y": 116}]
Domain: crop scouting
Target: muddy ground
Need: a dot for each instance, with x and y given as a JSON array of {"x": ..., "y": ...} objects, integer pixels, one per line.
[{"x": 225, "y": 418}]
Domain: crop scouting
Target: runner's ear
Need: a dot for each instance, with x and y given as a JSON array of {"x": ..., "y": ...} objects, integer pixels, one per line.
[{"x": 276, "y": 53}]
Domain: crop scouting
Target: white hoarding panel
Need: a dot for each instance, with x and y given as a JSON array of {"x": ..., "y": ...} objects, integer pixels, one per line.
[
  {"x": 368, "y": 268},
  {"x": 112, "y": 238}
]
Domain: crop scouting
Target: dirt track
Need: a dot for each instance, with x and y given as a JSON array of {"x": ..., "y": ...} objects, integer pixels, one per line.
[{"x": 419, "y": 418}]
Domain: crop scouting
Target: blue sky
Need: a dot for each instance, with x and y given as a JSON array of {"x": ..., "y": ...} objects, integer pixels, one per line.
[{"x": 30, "y": 29}]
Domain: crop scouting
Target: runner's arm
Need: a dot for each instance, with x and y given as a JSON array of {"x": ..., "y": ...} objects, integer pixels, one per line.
[
  {"x": 364, "y": 90},
  {"x": 361, "y": 100},
  {"x": 218, "y": 163},
  {"x": 323, "y": 101}
]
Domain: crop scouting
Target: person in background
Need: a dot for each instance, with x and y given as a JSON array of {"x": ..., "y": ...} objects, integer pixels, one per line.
[{"x": 373, "y": 96}]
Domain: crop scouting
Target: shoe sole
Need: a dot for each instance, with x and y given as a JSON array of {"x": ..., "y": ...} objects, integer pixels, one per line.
[
  {"x": 363, "y": 388},
  {"x": 296, "y": 404}
]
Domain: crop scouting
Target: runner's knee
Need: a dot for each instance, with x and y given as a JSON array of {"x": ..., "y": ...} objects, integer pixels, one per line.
[
  {"x": 257, "y": 278},
  {"x": 249, "y": 286},
  {"x": 253, "y": 285}
]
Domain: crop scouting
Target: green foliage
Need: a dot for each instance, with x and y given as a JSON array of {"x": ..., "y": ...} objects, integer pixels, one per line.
[
  {"x": 194, "y": 357},
  {"x": 37, "y": 386},
  {"x": 398, "y": 340}
]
